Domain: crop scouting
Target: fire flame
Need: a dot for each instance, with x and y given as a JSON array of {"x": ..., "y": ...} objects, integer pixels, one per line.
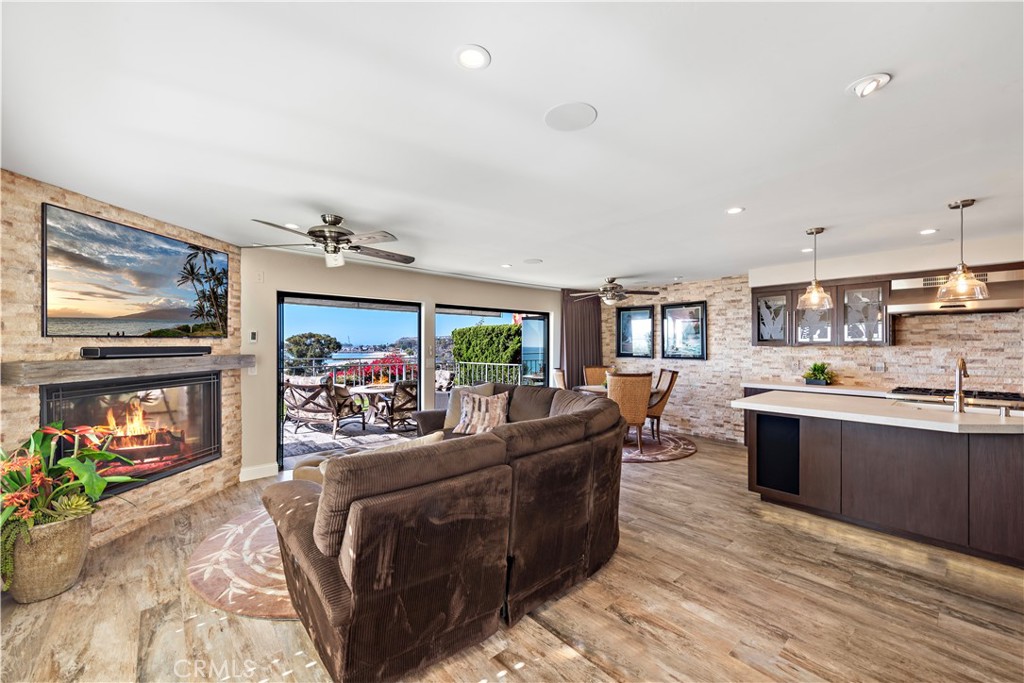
[{"x": 134, "y": 424}]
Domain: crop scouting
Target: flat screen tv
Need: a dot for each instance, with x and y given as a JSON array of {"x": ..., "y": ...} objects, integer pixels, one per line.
[{"x": 104, "y": 279}]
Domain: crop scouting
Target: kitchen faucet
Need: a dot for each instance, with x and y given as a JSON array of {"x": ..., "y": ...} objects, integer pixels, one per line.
[{"x": 958, "y": 387}]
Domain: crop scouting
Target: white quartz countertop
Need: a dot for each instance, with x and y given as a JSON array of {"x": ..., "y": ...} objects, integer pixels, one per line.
[
  {"x": 882, "y": 411},
  {"x": 792, "y": 385}
]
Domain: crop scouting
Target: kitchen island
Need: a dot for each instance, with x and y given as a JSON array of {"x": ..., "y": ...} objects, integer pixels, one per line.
[{"x": 916, "y": 470}]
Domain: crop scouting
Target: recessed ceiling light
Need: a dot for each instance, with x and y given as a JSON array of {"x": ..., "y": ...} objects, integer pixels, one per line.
[
  {"x": 533, "y": 261},
  {"x": 506, "y": 265},
  {"x": 472, "y": 57},
  {"x": 929, "y": 231},
  {"x": 570, "y": 116},
  {"x": 291, "y": 225},
  {"x": 862, "y": 87},
  {"x": 808, "y": 250},
  {"x": 735, "y": 210}
]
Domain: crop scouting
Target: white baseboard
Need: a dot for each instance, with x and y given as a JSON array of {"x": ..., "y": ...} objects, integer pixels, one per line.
[{"x": 258, "y": 472}]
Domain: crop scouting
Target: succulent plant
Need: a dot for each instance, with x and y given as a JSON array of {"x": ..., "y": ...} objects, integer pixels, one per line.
[{"x": 73, "y": 505}]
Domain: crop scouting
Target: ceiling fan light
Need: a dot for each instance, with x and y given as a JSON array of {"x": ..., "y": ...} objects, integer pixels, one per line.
[
  {"x": 962, "y": 285},
  {"x": 815, "y": 298},
  {"x": 334, "y": 260}
]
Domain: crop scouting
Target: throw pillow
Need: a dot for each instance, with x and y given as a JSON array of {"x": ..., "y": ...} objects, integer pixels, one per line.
[
  {"x": 482, "y": 413},
  {"x": 451, "y": 418}
]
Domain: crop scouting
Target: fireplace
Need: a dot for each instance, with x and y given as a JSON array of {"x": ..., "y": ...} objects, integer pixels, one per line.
[{"x": 163, "y": 425}]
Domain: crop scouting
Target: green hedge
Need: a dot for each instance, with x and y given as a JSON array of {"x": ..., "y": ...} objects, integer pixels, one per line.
[{"x": 488, "y": 344}]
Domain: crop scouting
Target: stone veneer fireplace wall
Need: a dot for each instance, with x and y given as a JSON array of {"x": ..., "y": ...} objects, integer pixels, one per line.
[{"x": 21, "y": 340}]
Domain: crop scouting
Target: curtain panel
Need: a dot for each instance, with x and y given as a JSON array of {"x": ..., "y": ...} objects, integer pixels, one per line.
[{"x": 581, "y": 336}]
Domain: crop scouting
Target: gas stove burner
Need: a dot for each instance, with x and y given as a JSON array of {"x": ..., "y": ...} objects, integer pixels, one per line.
[{"x": 976, "y": 397}]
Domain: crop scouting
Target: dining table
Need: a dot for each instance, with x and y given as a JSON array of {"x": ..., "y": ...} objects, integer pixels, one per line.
[{"x": 598, "y": 389}]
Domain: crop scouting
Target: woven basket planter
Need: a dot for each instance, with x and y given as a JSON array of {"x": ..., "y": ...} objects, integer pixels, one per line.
[{"x": 52, "y": 562}]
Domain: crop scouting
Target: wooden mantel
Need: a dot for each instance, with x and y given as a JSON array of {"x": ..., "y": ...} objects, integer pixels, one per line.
[{"x": 38, "y": 373}]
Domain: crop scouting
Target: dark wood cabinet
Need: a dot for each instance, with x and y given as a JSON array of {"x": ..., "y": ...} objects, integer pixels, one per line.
[
  {"x": 795, "y": 459},
  {"x": 858, "y": 316},
  {"x": 861, "y": 314},
  {"x": 910, "y": 480},
  {"x": 770, "y": 316},
  {"x": 961, "y": 490},
  {"x": 997, "y": 494}
]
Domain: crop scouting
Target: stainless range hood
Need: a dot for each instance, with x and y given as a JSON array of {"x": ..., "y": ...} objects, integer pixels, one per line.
[{"x": 916, "y": 296}]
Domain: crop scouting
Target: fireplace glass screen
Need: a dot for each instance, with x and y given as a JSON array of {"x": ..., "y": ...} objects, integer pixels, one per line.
[{"x": 163, "y": 425}]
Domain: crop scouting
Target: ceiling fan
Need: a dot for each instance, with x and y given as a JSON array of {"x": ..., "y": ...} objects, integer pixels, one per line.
[
  {"x": 611, "y": 292},
  {"x": 337, "y": 240}
]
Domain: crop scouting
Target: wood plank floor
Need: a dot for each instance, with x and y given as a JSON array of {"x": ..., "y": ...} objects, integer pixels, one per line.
[{"x": 708, "y": 584}]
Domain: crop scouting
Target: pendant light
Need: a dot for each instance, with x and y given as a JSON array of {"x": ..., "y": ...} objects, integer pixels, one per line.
[
  {"x": 815, "y": 298},
  {"x": 962, "y": 285}
]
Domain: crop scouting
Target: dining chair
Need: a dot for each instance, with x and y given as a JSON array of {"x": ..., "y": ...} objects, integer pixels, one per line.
[
  {"x": 659, "y": 399},
  {"x": 595, "y": 374},
  {"x": 632, "y": 391},
  {"x": 559, "y": 378}
]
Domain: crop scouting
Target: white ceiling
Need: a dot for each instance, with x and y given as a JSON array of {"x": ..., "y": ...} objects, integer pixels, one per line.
[{"x": 208, "y": 115}]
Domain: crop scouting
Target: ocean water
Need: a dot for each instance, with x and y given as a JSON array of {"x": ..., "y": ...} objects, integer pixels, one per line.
[{"x": 105, "y": 327}]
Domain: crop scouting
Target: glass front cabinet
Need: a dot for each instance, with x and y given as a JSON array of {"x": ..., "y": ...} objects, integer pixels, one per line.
[
  {"x": 858, "y": 317},
  {"x": 771, "y": 318}
]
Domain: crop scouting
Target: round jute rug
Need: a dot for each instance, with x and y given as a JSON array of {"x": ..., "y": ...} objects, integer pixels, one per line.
[
  {"x": 672, "y": 447},
  {"x": 238, "y": 569}
]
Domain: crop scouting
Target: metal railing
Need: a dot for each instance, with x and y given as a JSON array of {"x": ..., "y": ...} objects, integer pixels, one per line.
[
  {"x": 356, "y": 371},
  {"x": 370, "y": 370}
]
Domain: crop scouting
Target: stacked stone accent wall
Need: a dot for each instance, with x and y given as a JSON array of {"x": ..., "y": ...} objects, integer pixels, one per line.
[
  {"x": 924, "y": 352},
  {"x": 21, "y": 340}
]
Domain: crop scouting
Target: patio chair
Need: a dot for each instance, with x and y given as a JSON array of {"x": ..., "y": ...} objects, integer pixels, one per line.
[
  {"x": 632, "y": 391},
  {"x": 595, "y": 374},
  {"x": 316, "y": 400},
  {"x": 398, "y": 407},
  {"x": 659, "y": 399}
]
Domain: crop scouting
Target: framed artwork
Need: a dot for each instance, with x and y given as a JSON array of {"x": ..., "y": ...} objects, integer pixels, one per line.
[
  {"x": 633, "y": 331},
  {"x": 105, "y": 279},
  {"x": 684, "y": 330}
]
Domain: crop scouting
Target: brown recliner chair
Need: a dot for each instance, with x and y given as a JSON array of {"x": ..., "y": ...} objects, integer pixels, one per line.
[{"x": 369, "y": 562}]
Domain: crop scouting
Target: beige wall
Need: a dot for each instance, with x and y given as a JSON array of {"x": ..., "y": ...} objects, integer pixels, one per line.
[
  {"x": 924, "y": 352},
  {"x": 265, "y": 272},
  {"x": 21, "y": 340}
]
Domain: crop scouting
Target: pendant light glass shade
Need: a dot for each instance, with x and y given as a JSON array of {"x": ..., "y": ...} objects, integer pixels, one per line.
[
  {"x": 815, "y": 298},
  {"x": 962, "y": 285}
]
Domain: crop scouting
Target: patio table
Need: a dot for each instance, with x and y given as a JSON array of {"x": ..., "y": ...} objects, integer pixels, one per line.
[{"x": 373, "y": 394}]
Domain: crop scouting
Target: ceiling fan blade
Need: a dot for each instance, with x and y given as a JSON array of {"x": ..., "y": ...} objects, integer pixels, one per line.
[
  {"x": 381, "y": 254},
  {"x": 584, "y": 297},
  {"x": 585, "y": 294},
  {"x": 281, "y": 227},
  {"x": 371, "y": 237},
  {"x": 639, "y": 291},
  {"x": 271, "y": 246}
]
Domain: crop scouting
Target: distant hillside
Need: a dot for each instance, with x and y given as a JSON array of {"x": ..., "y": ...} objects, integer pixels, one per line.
[{"x": 169, "y": 314}]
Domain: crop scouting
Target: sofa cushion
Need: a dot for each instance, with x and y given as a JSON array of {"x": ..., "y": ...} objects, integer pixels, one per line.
[
  {"x": 406, "y": 444},
  {"x": 530, "y": 403},
  {"x": 451, "y": 417},
  {"x": 371, "y": 473},
  {"x": 531, "y": 436},
  {"x": 482, "y": 413}
]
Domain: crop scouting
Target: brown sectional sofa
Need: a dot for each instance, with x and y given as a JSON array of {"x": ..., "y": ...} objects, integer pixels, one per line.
[{"x": 401, "y": 559}]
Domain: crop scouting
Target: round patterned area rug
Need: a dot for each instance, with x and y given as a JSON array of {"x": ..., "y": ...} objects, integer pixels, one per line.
[
  {"x": 238, "y": 569},
  {"x": 672, "y": 447}
]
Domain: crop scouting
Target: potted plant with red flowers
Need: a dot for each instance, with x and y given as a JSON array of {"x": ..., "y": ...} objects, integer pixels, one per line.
[{"x": 50, "y": 485}]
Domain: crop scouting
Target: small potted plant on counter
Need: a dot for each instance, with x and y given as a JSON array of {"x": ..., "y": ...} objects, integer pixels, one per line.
[
  {"x": 50, "y": 486},
  {"x": 819, "y": 374}
]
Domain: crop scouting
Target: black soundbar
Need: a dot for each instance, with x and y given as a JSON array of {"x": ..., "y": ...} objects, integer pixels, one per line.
[{"x": 143, "y": 351}]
